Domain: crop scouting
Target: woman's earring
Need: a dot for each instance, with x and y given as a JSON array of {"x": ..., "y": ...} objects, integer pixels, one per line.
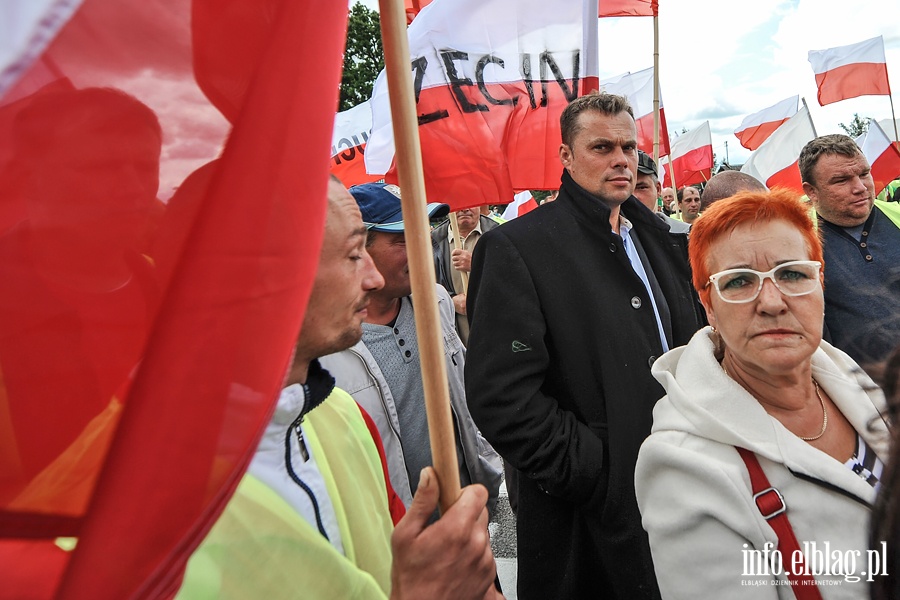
[{"x": 714, "y": 330}]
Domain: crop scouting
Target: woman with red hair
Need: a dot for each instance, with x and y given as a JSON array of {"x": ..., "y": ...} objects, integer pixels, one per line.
[{"x": 765, "y": 454}]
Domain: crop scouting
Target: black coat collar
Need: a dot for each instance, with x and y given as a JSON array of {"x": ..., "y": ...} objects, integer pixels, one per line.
[{"x": 593, "y": 212}]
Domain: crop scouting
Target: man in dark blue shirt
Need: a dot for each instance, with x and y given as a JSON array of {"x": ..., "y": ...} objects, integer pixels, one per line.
[{"x": 862, "y": 249}]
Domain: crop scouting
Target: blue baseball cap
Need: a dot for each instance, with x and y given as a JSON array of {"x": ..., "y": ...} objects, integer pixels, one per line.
[{"x": 380, "y": 206}]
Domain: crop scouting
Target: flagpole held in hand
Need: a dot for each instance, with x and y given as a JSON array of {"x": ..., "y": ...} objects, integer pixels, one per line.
[{"x": 418, "y": 245}]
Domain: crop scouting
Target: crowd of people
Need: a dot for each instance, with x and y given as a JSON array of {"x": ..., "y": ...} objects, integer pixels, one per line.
[
  {"x": 673, "y": 398},
  {"x": 679, "y": 386}
]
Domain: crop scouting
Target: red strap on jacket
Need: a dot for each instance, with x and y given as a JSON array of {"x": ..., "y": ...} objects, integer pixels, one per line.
[
  {"x": 395, "y": 504},
  {"x": 771, "y": 506}
]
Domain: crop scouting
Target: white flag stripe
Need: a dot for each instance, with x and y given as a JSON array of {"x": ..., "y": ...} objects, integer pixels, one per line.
[
  {"x": 867, "y": 51},
  {"x": 785, "y": 109},
  {"x": 698, "y": 137},
  {"x": 637, "y": 87},
  {"x": 26, "y": 29},
  {"x": 351, "y": 127},
  {"x": 782, "y": 148},
  {"x": 874, "y": 142}
]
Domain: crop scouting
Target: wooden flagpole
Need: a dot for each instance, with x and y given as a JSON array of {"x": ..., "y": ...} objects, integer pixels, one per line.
[
  {"x": 656, "y": 124},
  {"x": 408, "y": 156}
]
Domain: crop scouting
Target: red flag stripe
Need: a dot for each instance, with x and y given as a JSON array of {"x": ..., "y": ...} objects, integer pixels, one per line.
[
  {"x": 752, "y": 137},
  {"x": 788, "y": 177},
  {"x": 629, "y": 8},
  {"x": 851, "y": 81}
]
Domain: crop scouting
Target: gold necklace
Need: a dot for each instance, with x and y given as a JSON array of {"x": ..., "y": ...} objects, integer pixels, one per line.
[
  {"x": 821, "y": 402},
  {"x": 824, "y": 417}
]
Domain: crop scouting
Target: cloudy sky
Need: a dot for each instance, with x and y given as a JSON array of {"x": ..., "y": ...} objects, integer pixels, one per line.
[{"x": 722, "y": 60}]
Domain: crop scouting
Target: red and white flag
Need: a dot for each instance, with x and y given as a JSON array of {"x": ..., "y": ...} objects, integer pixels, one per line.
[
  {"x": 143, "y": 344},
  {"x": 882, "y": 154},
  {"x": 755, "y": 128},
  {"x": 491, "y": 78},
  {"x": 629, "y": 8},
  {"x": 638, "y": 88},
  {"x": 775, "y": 161},
  {"x": 850, "y": 71},
  {"x": 348, "y": 145},
  {"x": 523, "y": 203},
  {"x": 691, "y": 159}
]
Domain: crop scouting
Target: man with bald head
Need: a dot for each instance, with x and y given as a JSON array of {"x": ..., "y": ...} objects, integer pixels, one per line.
[{"x": 726, "y": 184}]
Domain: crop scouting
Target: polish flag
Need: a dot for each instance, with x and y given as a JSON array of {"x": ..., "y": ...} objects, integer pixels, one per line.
[
  {"x": 882, "y": 154},
  {"x": 638, "y": 88},
  {"x": 523, "y": 203},
  {"x": 629, "y": 8},
  {"x": 143, "y": 347},
  {"x": 755, "y": 128},
  {"x": 691, "y": 159},
  {"x": 491, "y": 78},
  {"x": 775, "y": 161},
  {"x": 348, "y": 145},
  {"x": 850, "y": 71}
]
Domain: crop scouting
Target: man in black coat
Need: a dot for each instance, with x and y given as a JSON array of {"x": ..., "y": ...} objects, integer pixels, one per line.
[{"x": 570, "y": 305}]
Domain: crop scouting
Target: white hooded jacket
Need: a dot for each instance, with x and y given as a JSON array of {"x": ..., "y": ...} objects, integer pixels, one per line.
[{"x": 694, "y": 490}]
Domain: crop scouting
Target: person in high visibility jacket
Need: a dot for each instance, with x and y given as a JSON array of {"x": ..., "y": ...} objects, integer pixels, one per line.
[{"x": 311, "y": 519}]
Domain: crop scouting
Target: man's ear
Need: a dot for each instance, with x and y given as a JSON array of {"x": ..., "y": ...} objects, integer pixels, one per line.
[
  {"x": 565, "y": 155},
  {"x": 810, "y": 192}
]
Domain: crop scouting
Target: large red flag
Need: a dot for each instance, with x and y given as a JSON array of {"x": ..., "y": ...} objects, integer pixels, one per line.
[
  {"x": 774, "y": 163},
  {"x": 629, "y": 8},
  {"x": 849, "y": 71},
  {"x": 491, "y": 78},
  {"x": 756, "y": 128},
  {"x": 146, "y": 333}
]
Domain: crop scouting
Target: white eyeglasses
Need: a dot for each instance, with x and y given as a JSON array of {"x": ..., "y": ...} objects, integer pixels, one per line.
[{"x": 794, "y": 278}]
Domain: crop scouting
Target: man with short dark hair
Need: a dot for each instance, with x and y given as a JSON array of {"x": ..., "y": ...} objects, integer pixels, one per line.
[
  {"x": 570, "y": 306},
  {"x": 862, "y": 248},
  {"x": 689, "y": 204}
]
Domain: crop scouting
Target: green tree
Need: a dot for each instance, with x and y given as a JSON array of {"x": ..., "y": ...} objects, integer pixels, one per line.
[
  {"x": 363, "y": 56},
  {"x": 857, "y": 126}
]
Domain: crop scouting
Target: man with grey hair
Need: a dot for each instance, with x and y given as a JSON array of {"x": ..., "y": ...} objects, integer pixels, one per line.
[
  {"x": 570, "y": 305},
  {"x": 726, "y": 184},
  {"x": 862, "y": 248}
]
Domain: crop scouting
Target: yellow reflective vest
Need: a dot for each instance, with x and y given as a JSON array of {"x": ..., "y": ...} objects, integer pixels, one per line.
[{"x": 262, "y": 548}]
